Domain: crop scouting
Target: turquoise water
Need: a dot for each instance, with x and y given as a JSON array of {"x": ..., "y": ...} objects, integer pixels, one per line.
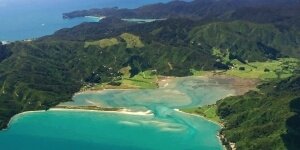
[
  {"x": 26, "y": 19},
  {"x": 164, "y": 129},
  {"x": 181, "y": 93},
  {"x": 108, "y": 131}
]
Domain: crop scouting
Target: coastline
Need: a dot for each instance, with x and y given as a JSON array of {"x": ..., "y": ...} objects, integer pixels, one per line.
[
  {"x": 19, "y": 115},
  {"x": 120, "y": 111},
  {"x": 212, "y": 121},
  {"x": 227, "y": 145},
  {"x": 220, "y": 136},
  {"x": 100, "y": 91},
  {"x": 74, "y": 109},
  {"x": 96, "y": 17},
  {"x": 162, "y": 81},
  {"x": 240, "y": 85},
  {"x": 3, "y": 42}
]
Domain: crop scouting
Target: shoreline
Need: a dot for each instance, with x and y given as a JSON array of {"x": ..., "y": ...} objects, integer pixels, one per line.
[
  {"x": 98, "y": 18},
  {"x": 220, "y": 136},
  {"x": 99, "y": 91},
  {"x": 227, "y": 145},
  {"x": 215, "y": 122},
  {"x": 239, "y": 85},
  {"x": 162, "y": 82},
  {"x": 120, "y": 111},
  {"x": 123, "y": 111},
  {"x": 19, "y": 115}
]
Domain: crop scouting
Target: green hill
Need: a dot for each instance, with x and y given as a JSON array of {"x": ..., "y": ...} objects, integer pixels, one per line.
[
  {"x": 248, "y": 41},
  {"x": 264, "y": 119}
]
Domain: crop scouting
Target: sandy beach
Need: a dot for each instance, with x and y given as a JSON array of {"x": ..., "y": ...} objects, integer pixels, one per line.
[{"x": 121, "y": 111}]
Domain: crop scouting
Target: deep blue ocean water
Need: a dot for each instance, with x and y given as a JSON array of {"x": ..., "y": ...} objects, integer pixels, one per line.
[{"x": 27, "y": 19}]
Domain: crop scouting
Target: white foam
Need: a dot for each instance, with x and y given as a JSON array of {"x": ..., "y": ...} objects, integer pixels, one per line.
[
  {"x": 4, "y": 42},
  {"x": 129, "y": 123},
  {"x": 95, "y": 17},
  {"x": 140, "y": 113}
]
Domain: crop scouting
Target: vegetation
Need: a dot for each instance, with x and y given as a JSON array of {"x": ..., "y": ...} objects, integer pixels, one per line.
[
  {"x": 143, "y": 80},
  {"x": 104, "y": 43},
  {"x": 283, "y": 13},
  {"x": 272, "y": 69},
  {"x": 198, "y": 72},
  {"x": 132, "y": 40},
  {"x": 209, "y": 112},
  {"x": 223, "y": 57},
  {"x": 245, "y": 41},
  {"x": 264, "y": 119}
]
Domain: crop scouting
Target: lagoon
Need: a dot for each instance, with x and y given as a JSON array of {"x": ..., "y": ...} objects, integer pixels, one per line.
[{"x": 163, "y": 128}]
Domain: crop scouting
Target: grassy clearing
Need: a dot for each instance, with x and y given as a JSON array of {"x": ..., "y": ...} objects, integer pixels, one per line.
[
  {"x": 132, "y": 41},
  {"x": 272, "y": 69},
  {"x": 209, "y": 112},
  {"x": 143, "y": 80},
  {"x": 199, "y": 72},
  {"x": 103, "y": 43}
]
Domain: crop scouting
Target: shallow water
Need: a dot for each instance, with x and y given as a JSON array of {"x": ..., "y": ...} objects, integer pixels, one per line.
[
  {"x": 90, "y": 130},
  {"x": 180, "y": 93},
  {"x": 164, "y": 129}
]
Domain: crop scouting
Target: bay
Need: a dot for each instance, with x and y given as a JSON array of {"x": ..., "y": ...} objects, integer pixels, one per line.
[{"x": 163, "y": 128}]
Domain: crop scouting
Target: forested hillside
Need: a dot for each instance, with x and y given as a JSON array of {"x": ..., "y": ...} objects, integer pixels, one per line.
[{"x": 264, "y": 119}]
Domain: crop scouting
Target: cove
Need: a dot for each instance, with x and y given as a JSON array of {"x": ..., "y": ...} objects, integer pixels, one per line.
[{"x": 163, "y": 128}]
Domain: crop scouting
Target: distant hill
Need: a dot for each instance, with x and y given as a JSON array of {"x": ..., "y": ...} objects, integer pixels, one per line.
[
  {"x": 245, "y": 40},
  {"x": 281, "y": 12}
]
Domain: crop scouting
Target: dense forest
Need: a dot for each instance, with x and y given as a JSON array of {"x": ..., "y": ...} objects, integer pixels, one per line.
[
  {"x": 264, "y": 119},
  {"x": 40, "y": 74}
]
